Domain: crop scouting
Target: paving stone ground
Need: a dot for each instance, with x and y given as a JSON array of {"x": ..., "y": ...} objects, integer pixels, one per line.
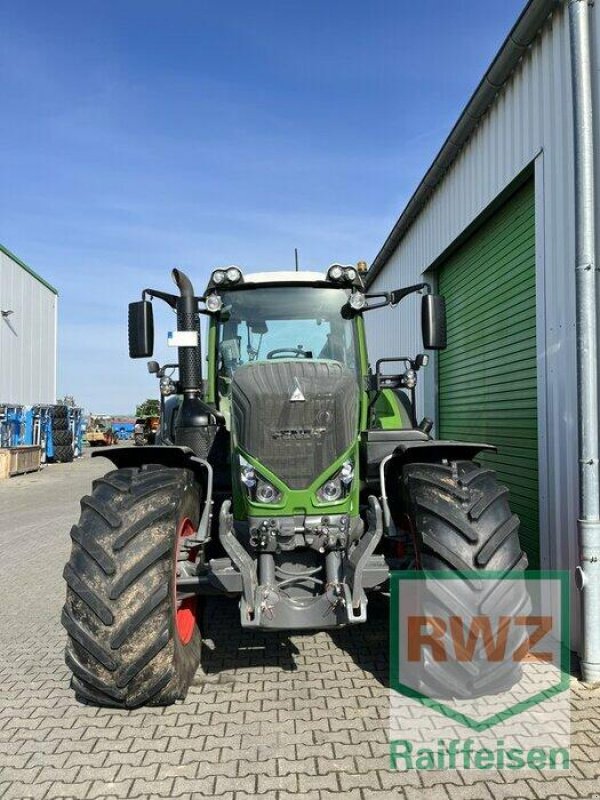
[{"x": 270, "y": 716}]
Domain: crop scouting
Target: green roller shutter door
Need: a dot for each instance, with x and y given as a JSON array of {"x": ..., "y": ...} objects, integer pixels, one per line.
[{"x": 487, "y": 375}]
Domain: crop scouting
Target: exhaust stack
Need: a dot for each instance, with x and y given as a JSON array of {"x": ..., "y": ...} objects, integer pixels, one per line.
[
  {"x": 193, "y": 426},
  {"x": 190, "y": 367}
]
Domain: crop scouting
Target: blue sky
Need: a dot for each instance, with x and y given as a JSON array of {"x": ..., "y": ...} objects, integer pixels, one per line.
[{"x": 141, "y": 135}]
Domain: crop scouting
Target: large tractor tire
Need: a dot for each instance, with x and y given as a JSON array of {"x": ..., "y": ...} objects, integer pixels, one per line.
[
  {"x": 60, "y": 412},
  {"x": 64, "y": 453},
  {"x": 62, "y": 438},
  {"x": 60, "y": 424},
  {"x": 459, "y": 518},
  {"x": 131, "y": 641}
]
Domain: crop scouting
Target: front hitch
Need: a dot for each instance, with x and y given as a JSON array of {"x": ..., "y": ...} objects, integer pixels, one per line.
[{"x": 265, "y": 602}]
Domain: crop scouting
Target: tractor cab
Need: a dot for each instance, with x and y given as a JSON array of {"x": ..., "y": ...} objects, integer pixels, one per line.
[{"x": 288, "y": 321}]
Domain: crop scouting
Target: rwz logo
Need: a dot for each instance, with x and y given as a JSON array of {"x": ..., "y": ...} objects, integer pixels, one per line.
[
  {"x": 479, "y": 648},
  {"x": 456, "y": 638}
]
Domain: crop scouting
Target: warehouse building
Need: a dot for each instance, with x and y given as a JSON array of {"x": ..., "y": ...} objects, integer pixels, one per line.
[
  {"x": 494, "y": 226},
  {"x": 28, "y": 316}
]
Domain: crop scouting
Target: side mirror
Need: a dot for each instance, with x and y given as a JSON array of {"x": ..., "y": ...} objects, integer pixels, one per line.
[
  {"x": 153, "y": 367},
  {"x": 141, "y": 329},
  {"x": 433, "y": 321}
]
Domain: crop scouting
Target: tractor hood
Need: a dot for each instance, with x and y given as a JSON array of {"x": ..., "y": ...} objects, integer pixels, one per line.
[{"x": 295, "y": 416}]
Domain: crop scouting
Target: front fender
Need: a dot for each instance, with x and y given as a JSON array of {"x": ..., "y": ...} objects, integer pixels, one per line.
[
  {"x": 424, "y": 451},
  {"x": 182, "y": 457},
  {"x": 438, "y": 449},
  {"x": 167, "y": 456}
]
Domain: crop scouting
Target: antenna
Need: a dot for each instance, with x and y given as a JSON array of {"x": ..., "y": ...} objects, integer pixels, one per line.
[{"x": 296, "y": 257}]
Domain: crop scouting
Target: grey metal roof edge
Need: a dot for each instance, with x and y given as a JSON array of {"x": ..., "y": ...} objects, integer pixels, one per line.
[
  {"x": 28, "y": 269},
  {"x": 522, "y": 34}
]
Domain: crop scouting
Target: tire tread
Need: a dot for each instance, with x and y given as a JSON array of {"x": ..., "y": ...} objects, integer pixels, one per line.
[
  {"x": 463, "y": 524},
  {"x": 119, "y": 614}
]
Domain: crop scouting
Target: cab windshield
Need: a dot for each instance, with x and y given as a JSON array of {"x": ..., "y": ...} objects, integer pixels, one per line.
[{"x": 284, "y": 322}]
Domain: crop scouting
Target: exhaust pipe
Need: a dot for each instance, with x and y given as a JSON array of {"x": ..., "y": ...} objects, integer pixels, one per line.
[
  {"x": 190, "y": 366},
  {"x": 194, "y": 426}
]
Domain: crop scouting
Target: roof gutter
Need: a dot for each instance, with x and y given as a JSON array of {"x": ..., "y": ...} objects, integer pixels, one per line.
[{"x": 515, "y": 46}]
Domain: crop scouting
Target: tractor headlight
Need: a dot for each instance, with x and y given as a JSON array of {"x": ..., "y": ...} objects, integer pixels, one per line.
[
  {"x": 347, "y": 275},
  {"x": 347, "y": 473},
  {"x": 248, "y": 477},
  {"x": 338, "y": 486},
  {"x": 357, "y": 301},
  {"x": 266, "y": 492},
  {"x": 330, "y": 491},
  {"x": 335, "y": 272},
  {"x": 214, "y": 303},
  {"x": 226, "y": 276},
  {"x": 258, "y": 488}
]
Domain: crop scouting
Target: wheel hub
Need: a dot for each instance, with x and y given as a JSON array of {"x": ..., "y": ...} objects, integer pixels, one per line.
[{"x": 186, "y": 616}]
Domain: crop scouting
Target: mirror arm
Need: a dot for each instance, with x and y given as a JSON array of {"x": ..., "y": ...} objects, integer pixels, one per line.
[
  {"x": 386, "y": 301},
  {"x": 394, "y": 297},
  {"x": 399, "y": 294},
  {"x": 170, "y": 299}
]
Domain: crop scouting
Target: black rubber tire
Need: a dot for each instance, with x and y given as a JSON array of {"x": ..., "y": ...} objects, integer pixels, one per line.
[
  {"x": 62, "y": 438},
  {"x": 64, "y": 453},
  {"x": 60, "y": 424},
  {"x": 59, "y": 412},
  {"x": 123, "y": 647},
  {"x": 461, "y": 522}
]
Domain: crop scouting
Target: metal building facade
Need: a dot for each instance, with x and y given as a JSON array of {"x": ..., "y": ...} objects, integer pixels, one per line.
[
  {"x": 28, "y": 326},
  {"x": 528, "y": 130}
]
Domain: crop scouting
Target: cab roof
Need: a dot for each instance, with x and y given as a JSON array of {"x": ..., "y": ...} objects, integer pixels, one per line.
[{"x": 284, "y": 276}]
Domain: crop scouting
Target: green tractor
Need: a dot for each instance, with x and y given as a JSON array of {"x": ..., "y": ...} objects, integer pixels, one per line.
[{"x": 292, "y": 476}]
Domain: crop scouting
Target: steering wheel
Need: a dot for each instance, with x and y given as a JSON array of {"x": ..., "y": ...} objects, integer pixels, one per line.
[{"x": 282, "y": 352}]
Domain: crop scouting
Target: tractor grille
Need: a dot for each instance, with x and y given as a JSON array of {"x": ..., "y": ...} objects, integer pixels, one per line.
[{"x": 295, "y": 439}]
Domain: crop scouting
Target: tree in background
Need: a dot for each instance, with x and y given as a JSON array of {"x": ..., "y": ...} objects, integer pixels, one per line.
[{"x": 149, "y": 408}]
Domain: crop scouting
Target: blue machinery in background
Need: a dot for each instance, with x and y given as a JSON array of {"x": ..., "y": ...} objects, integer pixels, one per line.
[
  {"x": 32, "y": 425},
  {"x": 123, "y": 429}
]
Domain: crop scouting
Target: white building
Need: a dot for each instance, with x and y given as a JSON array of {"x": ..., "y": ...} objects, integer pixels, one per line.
[
  {"x": 28, "y": 314},
  {"x": 492, "y": 226}
]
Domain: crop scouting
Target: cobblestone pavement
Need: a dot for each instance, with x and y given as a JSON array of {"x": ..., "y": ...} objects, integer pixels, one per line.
[{"x": 271, "y": 716}]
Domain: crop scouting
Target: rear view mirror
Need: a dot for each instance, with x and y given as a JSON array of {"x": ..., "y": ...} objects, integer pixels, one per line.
[
  {"x": 141, "y": 329},
  {"x": 433, "y": 321}
]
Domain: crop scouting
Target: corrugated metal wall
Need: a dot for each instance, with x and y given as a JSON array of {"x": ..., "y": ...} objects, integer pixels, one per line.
[
  {"x": 27, "y": 337},
  {"x": 530, "y": 123},
  {"x": 488, "y": 373}
]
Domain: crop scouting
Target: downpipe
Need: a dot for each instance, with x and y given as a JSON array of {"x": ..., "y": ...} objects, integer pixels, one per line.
[{"x": 588, "y": 572}]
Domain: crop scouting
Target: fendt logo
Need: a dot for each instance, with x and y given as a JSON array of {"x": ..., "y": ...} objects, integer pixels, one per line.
[
  {"x": 299, "y": 433},
  {"x": 471, "y": 651}
]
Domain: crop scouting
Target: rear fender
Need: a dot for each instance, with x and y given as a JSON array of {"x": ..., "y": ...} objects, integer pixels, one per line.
[{"x": 173, "y": 457}]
